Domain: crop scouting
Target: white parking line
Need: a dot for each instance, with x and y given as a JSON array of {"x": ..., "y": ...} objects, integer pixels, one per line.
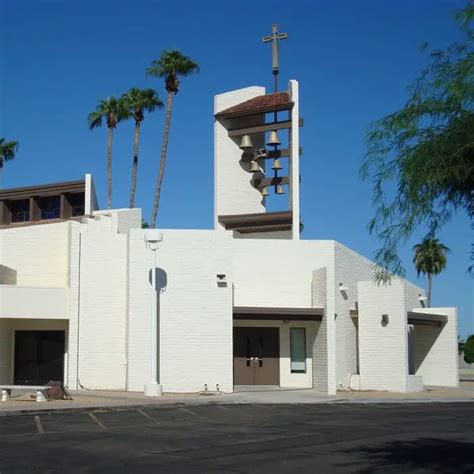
[
  {"x": 96, "y": 420},
  {"x": 194, "y": 413},
  {"x": 39, "y": 426},
  {"x": 146, "y": 415}
]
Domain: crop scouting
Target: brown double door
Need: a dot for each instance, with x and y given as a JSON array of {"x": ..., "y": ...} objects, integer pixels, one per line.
[{"x": 256, "y": 356}]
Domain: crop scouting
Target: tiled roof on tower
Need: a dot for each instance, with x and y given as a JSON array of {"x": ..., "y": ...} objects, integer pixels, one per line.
[{"x": 261, "y": 104}]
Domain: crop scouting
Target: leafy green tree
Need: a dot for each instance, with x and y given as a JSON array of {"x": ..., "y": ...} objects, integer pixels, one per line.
[
  {"x": 420, "y": 159},
  {"x": 7, "y": 151},
  {"x": 171, "y": 65},
  {"x": 112, "y": 111},
  {"x": 137, "y": 102},
  {"x": 430, "y": 258},
  {"x": 467, "y": 347}
]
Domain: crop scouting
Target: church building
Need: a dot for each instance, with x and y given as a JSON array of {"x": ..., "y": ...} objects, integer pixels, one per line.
[{"x": 90, "y": 298}]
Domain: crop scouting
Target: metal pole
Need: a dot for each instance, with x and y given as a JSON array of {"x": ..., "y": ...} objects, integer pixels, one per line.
[
  {"x": 154, "y": 389},
  {"x": 154, "y": 325}
]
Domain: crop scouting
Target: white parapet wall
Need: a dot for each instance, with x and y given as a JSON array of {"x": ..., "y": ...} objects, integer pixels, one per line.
[
  {"x": 37, "y": 254},
  {"x": 436, "y": 350},
  {"x": 383, "y": 336}
]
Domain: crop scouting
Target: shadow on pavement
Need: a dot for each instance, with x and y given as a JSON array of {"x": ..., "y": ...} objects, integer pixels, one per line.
[{"x": 426, "y": 454}]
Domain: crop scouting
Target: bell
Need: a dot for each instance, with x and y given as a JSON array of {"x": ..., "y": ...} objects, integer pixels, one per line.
[
  {"x": 254, "y": 168},
  {"x": 276, "y": 164},
  {"x": 264, "y": 191},
  {"x": 273, "y": 139},
  {"x": 246, "y": 142},
  {"x": 280, "y": 189}
]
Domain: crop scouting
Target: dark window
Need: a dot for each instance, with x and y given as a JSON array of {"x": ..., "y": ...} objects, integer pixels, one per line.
[
  {"x": 50, "y": 207},
  {"x": 77, "y": 204},
  {"x": 20, "y": 210}
]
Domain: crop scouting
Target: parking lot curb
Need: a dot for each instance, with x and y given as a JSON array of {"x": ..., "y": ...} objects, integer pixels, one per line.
[{"x": 171, "y": 404}]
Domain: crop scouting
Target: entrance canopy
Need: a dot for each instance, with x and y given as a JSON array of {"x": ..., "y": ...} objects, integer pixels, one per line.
[
  {"x": 283, "y": 314},
  {"x": 426, "y": 319}
]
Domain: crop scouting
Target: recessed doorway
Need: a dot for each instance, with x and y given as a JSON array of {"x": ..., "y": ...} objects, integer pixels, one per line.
[
  {"x": 39, "y": 357},
  {"x": 256, "y": 356}
]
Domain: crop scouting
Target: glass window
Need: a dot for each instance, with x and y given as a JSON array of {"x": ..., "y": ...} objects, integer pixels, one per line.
[
  {"x": 50, "y": 207},
  {"x": 77, "y": 204},
  {"x": 20, "y": 210},
  {"x": 298, "y": 350}
]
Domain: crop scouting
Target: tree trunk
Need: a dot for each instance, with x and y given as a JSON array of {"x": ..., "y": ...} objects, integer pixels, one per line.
[
  {"x": 430, "y": 288},
  {"x": 164, "y": 149},
  {"x": 109, "y": 167},
  {"x": 135, "y": 165}
]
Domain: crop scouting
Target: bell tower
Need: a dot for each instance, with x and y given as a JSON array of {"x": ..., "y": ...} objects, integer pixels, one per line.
[{"x": 254, "y": 134}]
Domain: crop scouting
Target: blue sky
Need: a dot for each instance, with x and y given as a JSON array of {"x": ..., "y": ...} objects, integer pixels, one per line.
[{"x": 353, "y": 59}]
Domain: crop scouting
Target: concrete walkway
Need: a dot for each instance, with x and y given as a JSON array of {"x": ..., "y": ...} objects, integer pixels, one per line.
[{"x": 251, "y": 395}]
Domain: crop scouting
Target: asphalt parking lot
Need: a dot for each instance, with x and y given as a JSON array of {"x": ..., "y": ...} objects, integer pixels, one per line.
[{"x": 323, "y": 438}]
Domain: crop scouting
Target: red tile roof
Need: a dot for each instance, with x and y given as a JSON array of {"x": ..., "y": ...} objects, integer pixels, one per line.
[{"x": 261, "y": 103}]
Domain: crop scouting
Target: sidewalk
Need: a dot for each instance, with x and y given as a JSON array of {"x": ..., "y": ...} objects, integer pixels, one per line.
[{"x": 110, "y": 400}]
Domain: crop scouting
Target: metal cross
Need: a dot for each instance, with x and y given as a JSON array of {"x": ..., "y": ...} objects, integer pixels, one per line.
[{"x": 274, "y": 37}]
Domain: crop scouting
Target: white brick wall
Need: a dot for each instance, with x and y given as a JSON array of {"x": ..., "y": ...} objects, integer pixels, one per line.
[
  {"x": 122, "y": 220},
  {"x": 383, "y": 349},
  {"x": 350, "y": 268},
  {"x": 38, "y": 253},
  {"x": 233, "y": 193},
  {"x": 436, "y": 350},
  {"x": 112, "y": 297},
  {"x": 74, "y": 238},
  {"x": 294, "y": 188},
  {"x": 102, "y": 310},
  {"x": 277, "y": 272},
  {"x": 195, "y": 314},
  {"x": 320, "y": 346}
]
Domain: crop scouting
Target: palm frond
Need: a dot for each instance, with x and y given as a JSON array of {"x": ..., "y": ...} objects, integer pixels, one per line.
[
  {"x": 430, "y": 256},
  {"x": 7, "y": 150},
  {"x": 135, "y": 100},
  {"x": 110, "y": 109},
  {"x": 172, "y": 62}
]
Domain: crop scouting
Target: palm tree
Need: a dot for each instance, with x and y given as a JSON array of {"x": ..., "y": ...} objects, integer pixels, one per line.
[
  {"x": 430, "y": 258},
  {"x": 7, "y": 151},
  {"x": 112, "y": 111},
  {"x": 170, "y": 65},
  {"x": 137, "y": 101}
]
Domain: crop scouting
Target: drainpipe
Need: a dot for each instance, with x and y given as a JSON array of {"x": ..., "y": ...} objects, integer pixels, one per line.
[{"x": 154, "y": 388}]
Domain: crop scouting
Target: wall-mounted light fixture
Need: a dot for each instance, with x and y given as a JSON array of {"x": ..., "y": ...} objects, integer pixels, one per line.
[
  {"x": 221, "y": 280},
  {"x": 342, "y": 288},
  {"x": 385, "y": 320},
  {"x": 422, "y": 299}
]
